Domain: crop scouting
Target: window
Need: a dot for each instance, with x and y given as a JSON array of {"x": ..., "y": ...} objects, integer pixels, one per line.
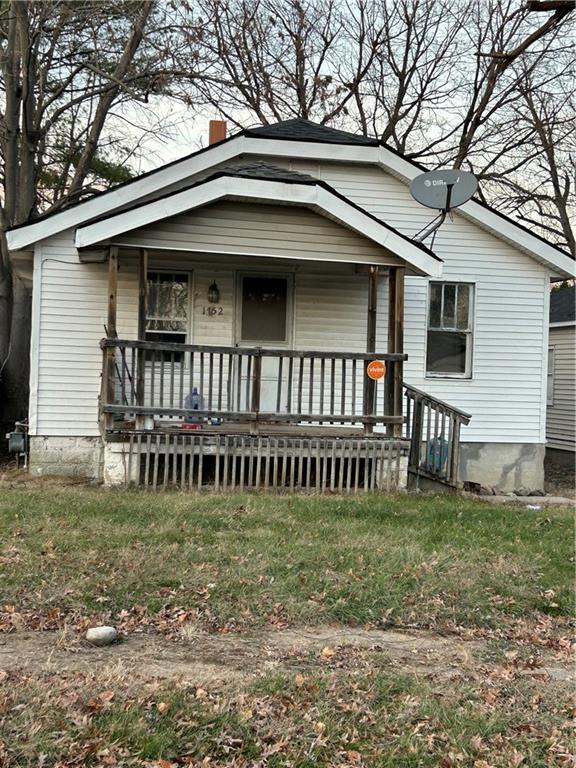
[
  {"x": 167, "y": 310},
  {"x": 449, "y": 347},
  {"x": 264, "y": 309},
  {"x": 167, "y": 307},
  {"x": 550, "y": 379}
]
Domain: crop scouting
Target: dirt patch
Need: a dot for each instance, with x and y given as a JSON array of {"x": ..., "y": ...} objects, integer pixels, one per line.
[
  {"x": 208, "y": 659},
  {"x": 12, "y": 476},
  {"x": 560, "y": 478}
]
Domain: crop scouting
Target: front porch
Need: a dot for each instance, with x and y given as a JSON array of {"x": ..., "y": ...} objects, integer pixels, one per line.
[
  {"x": 191, "y": 416},
  {"x": 194, "y": 416}
]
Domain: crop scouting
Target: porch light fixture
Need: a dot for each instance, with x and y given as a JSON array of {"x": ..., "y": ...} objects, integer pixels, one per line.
[{"x": 213, "y": 294}]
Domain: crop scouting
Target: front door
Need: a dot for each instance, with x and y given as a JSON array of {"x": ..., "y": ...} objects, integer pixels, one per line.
[{"x": 264, "y": 321}]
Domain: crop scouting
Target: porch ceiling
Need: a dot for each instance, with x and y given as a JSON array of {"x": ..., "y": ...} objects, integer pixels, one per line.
[{"x": 263, "y": 184}]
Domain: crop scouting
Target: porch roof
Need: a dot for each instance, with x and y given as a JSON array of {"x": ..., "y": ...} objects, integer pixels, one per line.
[{"x": 263, "y": 183}]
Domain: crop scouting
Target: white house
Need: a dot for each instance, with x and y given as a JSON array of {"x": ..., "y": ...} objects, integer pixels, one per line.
[
  {"x": 561, "y": 393},
  {"x": 243, "y": 291}
]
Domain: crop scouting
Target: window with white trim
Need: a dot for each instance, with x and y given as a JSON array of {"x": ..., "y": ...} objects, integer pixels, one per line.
[
  {"x": 167, "y": 311},
  {"x": 450, "y": 334},
  {"x": 167, "y": 307},
  {"x": 550, "y": 378}
]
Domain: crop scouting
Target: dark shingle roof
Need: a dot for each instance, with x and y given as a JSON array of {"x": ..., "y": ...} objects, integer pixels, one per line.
[
  {"x": 267, "y": 171},
  {"x": 304, "y": 130},
  {"x": 563, "y": 304}
]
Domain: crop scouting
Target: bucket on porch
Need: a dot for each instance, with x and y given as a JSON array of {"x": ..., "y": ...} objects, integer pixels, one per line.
[{"x": 437, "y": 453}]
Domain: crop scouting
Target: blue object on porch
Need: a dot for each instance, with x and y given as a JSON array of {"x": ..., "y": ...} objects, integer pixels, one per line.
[
  {"x": 193, "y": 402},
  {"x": 437, "y": 453}
]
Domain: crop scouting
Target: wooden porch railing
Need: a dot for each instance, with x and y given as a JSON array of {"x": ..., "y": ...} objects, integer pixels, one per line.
[
  {"x": 433, "y": 428},
  {"x": 238, "y": 384}
]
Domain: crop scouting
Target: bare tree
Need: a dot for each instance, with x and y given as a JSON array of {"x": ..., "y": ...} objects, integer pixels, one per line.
[
  {"x": 439, "y": 80},
  {"x": 66, "y": 71},
  {"x": 543, "y": 196},
  {"x": 268, "y": 60}
]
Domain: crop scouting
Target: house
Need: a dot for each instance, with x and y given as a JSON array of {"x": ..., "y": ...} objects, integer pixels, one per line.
[
  {"x": 561, "y": 390},
  {"x": 259, "y": 313}
]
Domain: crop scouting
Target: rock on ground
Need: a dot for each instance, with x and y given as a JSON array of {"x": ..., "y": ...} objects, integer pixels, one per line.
[{"x": 102, "y": 635}]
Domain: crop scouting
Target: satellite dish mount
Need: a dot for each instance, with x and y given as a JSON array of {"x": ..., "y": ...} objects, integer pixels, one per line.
[{"x": 443, "y": 190}]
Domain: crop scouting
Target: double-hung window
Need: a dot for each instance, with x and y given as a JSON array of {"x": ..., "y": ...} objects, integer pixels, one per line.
[{"x": 450, "y": 332}]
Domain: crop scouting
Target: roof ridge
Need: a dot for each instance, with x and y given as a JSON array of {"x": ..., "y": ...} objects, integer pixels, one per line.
[{"x": 302, "y": 129}]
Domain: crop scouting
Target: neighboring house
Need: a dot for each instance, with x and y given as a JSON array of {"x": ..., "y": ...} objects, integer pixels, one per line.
[
  {"x": 244, "y": 291},
  {"x": 561, "y": 393}
]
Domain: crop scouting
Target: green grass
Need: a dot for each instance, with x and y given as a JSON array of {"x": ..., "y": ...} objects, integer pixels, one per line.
[
  {"x": 384, "y": 719},
  {"x": 238, "y": 561}
]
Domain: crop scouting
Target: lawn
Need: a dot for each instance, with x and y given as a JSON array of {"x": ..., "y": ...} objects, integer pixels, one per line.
[{"x": 172, "y": 565}]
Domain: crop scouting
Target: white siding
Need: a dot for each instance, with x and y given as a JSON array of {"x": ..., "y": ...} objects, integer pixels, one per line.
[
  {"x": 261, "y": 230},
  {"x": 72, "y": 313},
  {"x": 561, "y": 419},
  {"x": 329, "y": 314},
  {"x": 505, "y": 395}
]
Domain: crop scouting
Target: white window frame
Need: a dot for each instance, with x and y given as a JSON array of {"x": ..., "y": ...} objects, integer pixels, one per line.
[
  {"x": 467, "y": 375},
  {"x": 174, "y": 271},
  {"x": 550, "y": 376},
  {"x": 289, "y": 277}
]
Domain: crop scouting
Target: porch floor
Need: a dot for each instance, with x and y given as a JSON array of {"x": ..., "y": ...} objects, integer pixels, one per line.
[{"x": 120, "y": 429}]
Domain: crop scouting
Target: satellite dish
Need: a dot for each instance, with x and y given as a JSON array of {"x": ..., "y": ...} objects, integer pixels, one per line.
[{"x": 443, "y": 190}]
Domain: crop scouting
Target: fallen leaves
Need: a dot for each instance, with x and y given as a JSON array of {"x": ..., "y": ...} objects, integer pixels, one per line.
[
  {"x": 326, "y": 713},
  {"x": 489, "y": 695}
]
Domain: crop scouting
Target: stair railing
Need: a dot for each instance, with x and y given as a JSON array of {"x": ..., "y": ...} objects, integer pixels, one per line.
[{"x": 433, "y": 428}]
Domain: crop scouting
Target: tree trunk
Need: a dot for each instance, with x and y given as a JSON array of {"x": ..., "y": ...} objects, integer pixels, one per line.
[{"x": 15, "y": 376}]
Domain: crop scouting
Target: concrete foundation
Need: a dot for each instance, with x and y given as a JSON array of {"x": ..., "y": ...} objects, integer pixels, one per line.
[
  {"x": 115, "y": 470},
  {"x": 506, "y": 466},
  {"x": 66, "y": 456}
]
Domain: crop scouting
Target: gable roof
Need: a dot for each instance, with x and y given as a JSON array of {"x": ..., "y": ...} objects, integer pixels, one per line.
[
  {"x": 264, "y": 183},
  {"x": 563, "y": 304},
  {"x": 315, "y": 142}
]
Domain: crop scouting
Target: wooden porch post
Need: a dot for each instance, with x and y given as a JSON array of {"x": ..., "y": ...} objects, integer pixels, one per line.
[
  {"x": 112, "y": 290},
  {"x": 108, "y": 390},
  {"x": 370, "y": 384},
  {"x": 142, "y": 309},
  {"x": 396, "y": 343}
]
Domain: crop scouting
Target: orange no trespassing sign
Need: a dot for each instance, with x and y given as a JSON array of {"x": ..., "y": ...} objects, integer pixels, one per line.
[{"x": 376, "y": 369}]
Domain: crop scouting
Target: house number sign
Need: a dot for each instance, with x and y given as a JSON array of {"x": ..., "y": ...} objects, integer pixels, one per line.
[{"x": 212, "y": 311}]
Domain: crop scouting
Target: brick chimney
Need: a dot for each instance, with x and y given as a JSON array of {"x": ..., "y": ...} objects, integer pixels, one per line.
[{"x": 216, "y": 131}]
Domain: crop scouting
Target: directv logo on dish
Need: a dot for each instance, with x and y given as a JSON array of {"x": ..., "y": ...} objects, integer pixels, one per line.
[{"x": 439, "y": 182}]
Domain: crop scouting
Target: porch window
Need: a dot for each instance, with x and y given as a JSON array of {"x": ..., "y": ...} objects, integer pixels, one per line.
[
  {"x": 167, "y": 307},
  {"x": 167, "y": 311},
  {"x": 449, "y": 342}
]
